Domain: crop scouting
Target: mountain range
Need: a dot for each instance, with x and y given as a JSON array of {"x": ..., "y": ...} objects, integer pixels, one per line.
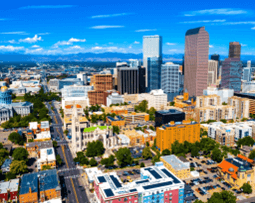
[{"x": 94, "y": 57}]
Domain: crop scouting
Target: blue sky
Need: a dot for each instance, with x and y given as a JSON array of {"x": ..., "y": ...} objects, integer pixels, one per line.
[{"x": 65, "y": 27}]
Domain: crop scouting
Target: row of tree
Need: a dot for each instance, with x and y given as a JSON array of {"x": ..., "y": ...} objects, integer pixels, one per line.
[{"x": 143, "y": 107}]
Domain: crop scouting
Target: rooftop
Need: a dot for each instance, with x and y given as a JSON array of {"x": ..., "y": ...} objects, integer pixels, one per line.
[
  {"x": 46, "y": 179},
  {"x": 176, "y": 163},
  {"x": 169, "y": 112},
  {"x": 47, "y": 154},
  {"x": 91, "y": 129},
  {"x": 40, "y": 145},
  {"x": 6, "y": 163}
]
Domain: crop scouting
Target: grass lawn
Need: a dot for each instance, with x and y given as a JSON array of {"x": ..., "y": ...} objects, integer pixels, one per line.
[{"x": 18, "y": 99}]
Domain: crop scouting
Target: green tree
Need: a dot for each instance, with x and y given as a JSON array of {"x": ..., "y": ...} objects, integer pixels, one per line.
[
  {"x": 247, "y": 188},
  {"x": 116, "y": 129},
  {"x": 80, "y": 158},
  {"x": 66, "y": 132},
  {"x": 108, "y": 161},
  {"x": 142, "y": 165},
  {"x": 147, "y": 153},
  {"x": 217, "y": 155},
  {"x": 46, "y": 167},
  {"x": 223, "y": 197},
  {"x": 124, "y": 157},
  {"x": 166, "y": 152},
  {"x": 59, "y": 160},
  {"x": 92, "y": 162},
  {"x": 18, "y": 167},
  {"x": 55, "y": 143},
  {"x": 20, "y": 154},
  {"x": 198, "y": 201},
  {"x": 224, "y": 103},
  {"x": 152, "y": 128},
  {"x": 16, "y": 138},
  {"x": 248, "y": 141},
  {"x": 252, "y": 154},
  {"x": 194, "y": 152},
  {"x": 223, "y": 120},
  {"x": 10, "y": 176},
  {"x": 95, "y": 148},
  {"x": 192, "y": 169}
]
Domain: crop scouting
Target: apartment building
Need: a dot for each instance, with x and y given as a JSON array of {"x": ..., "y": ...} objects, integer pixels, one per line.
[
  {"x": 209, "y": 100},
  {"x": 180, "y": 131},
  {"x": 46, "y": 157},
  {"x": 242, "y": 106},
  {"x": 135, "y": 117},
  {"x": 34, "y": 148},
  {"x": 39, "y": 132},
  {"x": 176, "y": 166},
  {"x": 138, "y": 137},
  {"x": 9, "y": 190}
]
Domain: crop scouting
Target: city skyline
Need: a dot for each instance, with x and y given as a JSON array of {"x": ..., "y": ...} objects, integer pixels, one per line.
[{"x": 61, "y": 28}]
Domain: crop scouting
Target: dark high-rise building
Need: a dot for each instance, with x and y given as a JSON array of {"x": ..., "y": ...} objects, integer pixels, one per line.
[
  {"x": 216, "y": 57},
  {"x": 128, "y": 80},
  {"x": 166, "y": 116},
  {"x": 196, "y": 61},
  {"x": 142, "y": 75},
  {"x": 234, "y": 50},
  {"x": 154, "y": 73}
]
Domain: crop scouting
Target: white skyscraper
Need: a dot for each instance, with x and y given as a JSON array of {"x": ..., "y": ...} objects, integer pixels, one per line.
[
  {"x": 248, "y": 64},
  {"x": 152, "y": 47}
]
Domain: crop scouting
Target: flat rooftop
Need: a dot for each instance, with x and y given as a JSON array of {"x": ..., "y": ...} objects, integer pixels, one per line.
[
  {"x": 169, "y": 112},
  {"x": 176, "y": 163}
]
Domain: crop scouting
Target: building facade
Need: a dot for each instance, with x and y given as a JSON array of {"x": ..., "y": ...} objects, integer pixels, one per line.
[
  {"x": 157, "y": 184},
  {"x": 213, "y": 70},
  {"x": 128, "y": 80},
  {"x": 223, "y": 93},
  {"x": 75, "y": 91},
  {"x": 242, "y": 106},
  {"x": 154, "y": 73},
  {"x": 196, "y": 61},
  {"x": 166, "y": 116},
  {"x": 234, "y": 50},
  {"x": 114, "y": 98},
  {"x": 169, "y": 133},
  {"x": 170, "y": 80},
  {"x": 152, "y": 47}
]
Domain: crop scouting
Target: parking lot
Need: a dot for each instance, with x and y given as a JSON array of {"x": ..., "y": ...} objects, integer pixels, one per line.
[
  {"x": 4, "y": 137},
  {"x": 208, "y": 181}
]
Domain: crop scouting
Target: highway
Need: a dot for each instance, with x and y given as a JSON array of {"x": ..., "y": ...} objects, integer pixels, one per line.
[{"x": 69, "y": 175}]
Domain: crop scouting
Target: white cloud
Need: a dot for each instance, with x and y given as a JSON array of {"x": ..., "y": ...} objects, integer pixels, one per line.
[
  {"x": 98, "y": 27},
  {"x": 130, "y": 47},
  {"x": 240, "y": 23},
  {"x": 243, "y": 45},
  {"x": 31, "y": 40},
  {"x": 146, "y": 30},
  {"x": 136, "y": 42},
  {"x": 205, "y": 21},
  {"x": 210, "y": 46},
  {"x": 44, "y": 33},
  {"x": 104, "y": 48},
  {"x": 34, "y": 51},
  {"x": 35, "y": 46},
  {"x": 76, "y": 47},
  {"x": 12, "y": 41},
  {"x": 10, "y": 48},
  {"x": 14, "y": 33},
  {"x": 170, "y": 44},
  {"x": 173, "y": 50},
  {"x": 69, "y": 42},
  {"x": 253, "y": 28},
  {"x": 110, "y": 15},
  {"x": 47, "y": 6},
  {"x": 221, "y": 11}
]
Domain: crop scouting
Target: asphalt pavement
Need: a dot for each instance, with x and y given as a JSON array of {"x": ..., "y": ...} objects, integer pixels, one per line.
[{"x": 72, "y": 190}]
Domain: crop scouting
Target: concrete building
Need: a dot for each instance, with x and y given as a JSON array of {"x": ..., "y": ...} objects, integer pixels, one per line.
[
  {"x": 170, "y": 80},
  {"x": 234, "y": 50},
  {"x": 46, "y": 157},
  {"x": 139, "y": 138},
  {"x": 196, "y": 61},
  {"x": 210, "y": 100},
  {"x": 128, "y": 80},
  {"x": 242, "y": 106},
  {"x": 39, "y": 132},
  {"x": 169, "y": 133},
  {"x": 223, "y": 93},
  {"x": 134, "y": 63},
  {"x": 157, "y": 183},
  {"x": 114, "y": 98},
  {"x": 34, "y": 148},
  {"x": 248, "y": 87},
  {"x": 247, "y": 74},
  {"x": 40, "y": 187},
  {"x": 75, "y": 91},
  {"x": 152, "y": 47},
  {"x": 251, "y": 98},
  {"x": 54, "y": 85},
  {"x": 176, "y": 166},
  {"x": 123, "y": 140},
  {"x": 83, "y": 102},
  {"x": 5, "y": 168},
  {"x": 212, "y": 69},
  {"x": 237, "y": 171},
  {"x": 135, "y": 117},
  {"x": 165, "y": 116}
]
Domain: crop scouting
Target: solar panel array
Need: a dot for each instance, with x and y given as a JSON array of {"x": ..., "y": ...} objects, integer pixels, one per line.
[
  {"x": 115, "y": 181},
  {"x": 142, "y": 181},
  {"x": 171, "y": 176},
  {"x": 101, "y": 179},
  {"x": 108, "y": 192},
  {"x": 154, "y": 173},
  {"x": 147, "y": 187}
]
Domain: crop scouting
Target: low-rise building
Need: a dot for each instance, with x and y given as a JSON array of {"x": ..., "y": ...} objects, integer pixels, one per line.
[
  {"x": 251, "y": 98},
  {"x": 39, "y": 132},
  {"x": 180, "y": 131},
  {"x": 135, "y": 117},
  {"x": 9, "y": 190},
  {"x": 46, "y": 157},
  {"x": 165, "y": 116},
  {"x": 237, "y": 171},
  {"x": 34, "y": 148},
  {"x": 176, "y": 166},
  {"x": 157, "y": 184},
  {"x": 114, "y": 98},
  {"x": 137, "y": 137},
  {"x": 123, "y": 140},
  {"x": 5, "y": 168},
  {"x": 246, "y": 150},
  {"x": 241, "y": 105},
  {"x": 119, "y": 110},
  {"x": 223, "y": 93},
  {"x": 39, "y": 187}
]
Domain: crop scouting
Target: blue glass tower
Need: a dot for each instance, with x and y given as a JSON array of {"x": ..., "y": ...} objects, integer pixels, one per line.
[{"x": 154, "y": 73}]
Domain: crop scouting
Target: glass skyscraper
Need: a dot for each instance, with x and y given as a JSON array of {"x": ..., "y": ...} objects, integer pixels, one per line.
[
  {"x": 152, "y": 48},
  {"x": 154, "y": 73}
]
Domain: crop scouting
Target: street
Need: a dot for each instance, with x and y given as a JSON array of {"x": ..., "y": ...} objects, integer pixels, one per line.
[{"x": 72, "y": 190}]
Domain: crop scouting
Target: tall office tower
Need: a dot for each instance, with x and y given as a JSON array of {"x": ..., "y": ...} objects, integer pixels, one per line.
[
  {"x": 152, "y": 47},
  {"x": 134, "y": 63},
  {"x": 128, "y": 80},
  {"x": 234, "y": 50},
  {"x": 212, "y": 72},
  {"x": 170, "y": 80},
  {"x": 196, "y": 61},
  {"x": 247, "y": 74},
  {"x": 232, "y": 68},
  {"x": 216, "y": 57},
  {"x": 142, "y": 88},
  {"x": 248, "y": 64},
  {"x": 153, "y": 73}
]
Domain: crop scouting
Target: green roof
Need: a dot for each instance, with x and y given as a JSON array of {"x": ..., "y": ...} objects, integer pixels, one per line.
[{"x": 91, "y": 129}]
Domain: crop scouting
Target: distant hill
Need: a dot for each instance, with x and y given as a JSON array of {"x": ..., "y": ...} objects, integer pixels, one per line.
[{"x": 93, "y": 57}]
